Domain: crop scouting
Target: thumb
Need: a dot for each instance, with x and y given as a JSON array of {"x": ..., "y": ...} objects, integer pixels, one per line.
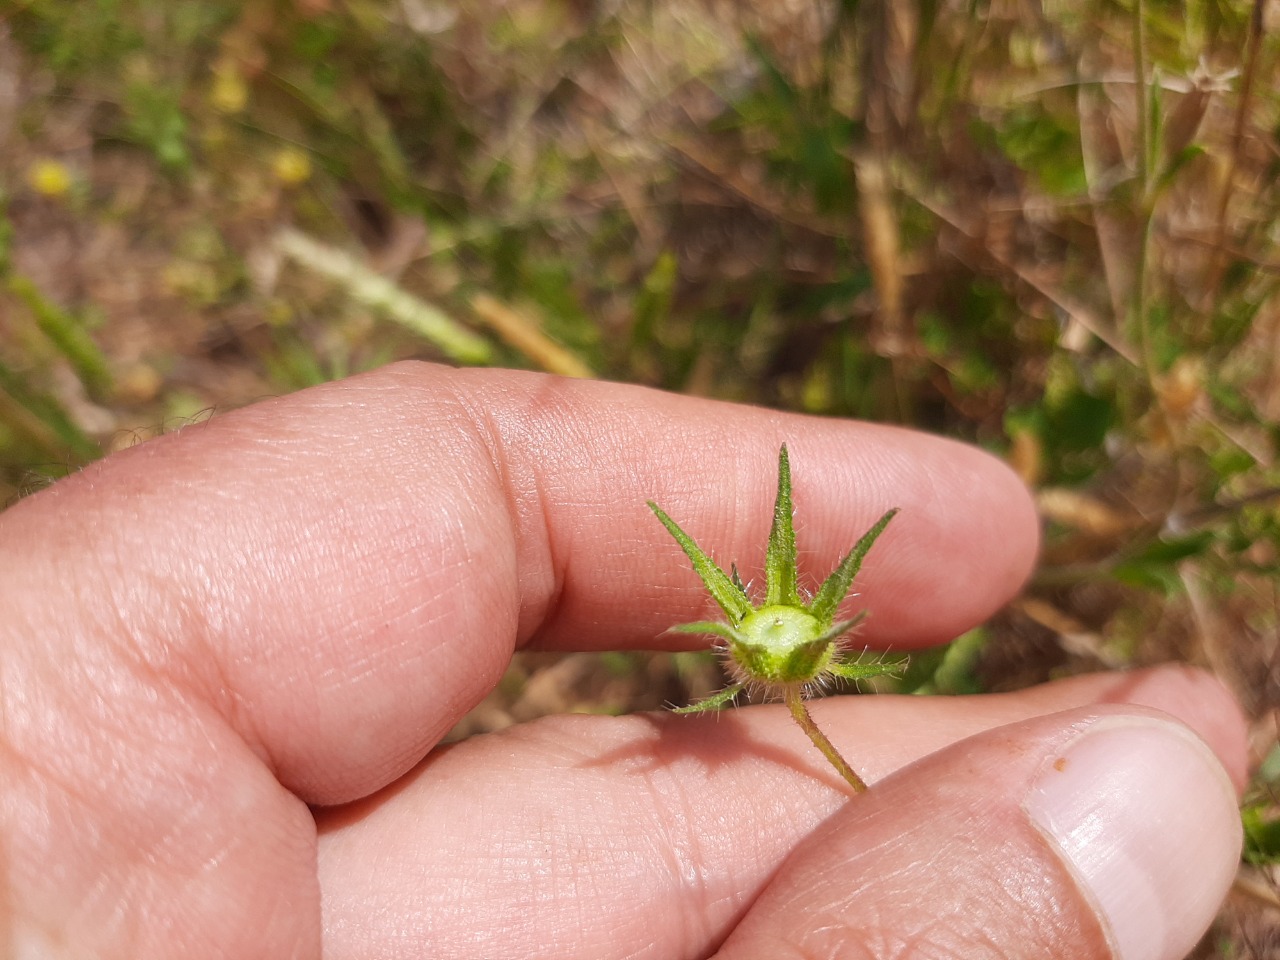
[{"x": 1091, "y": 834}]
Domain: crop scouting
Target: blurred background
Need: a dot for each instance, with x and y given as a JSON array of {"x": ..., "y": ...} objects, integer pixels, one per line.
[{"x": 1046, "y": 228}]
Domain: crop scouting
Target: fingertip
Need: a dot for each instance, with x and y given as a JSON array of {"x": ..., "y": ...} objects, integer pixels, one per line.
[
  {"x": 1108, "y": 833},
  {"x": 1144, "y": 816},
  {"x": 1199, "y": 700},
  {"x": 965, "y": 539}
]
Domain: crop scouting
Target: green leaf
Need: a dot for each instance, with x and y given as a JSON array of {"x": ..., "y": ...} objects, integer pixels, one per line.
[
  {"x": 832, "y": 592},
  {"x": 1046, "y": 145},
  {"x": 1078, "y": 421},
  {"x": 780, "y": 560},
  {"x": 1269, "y": 769},
  {"x": 1155, "y": 565},
  {"x": 723, "y": 590},
  {"x": 713, "y": 702},
  {"x": 1261, "y": 835},
  {"x": 954, "y": 671},
  {"x": 1171, "y": 549}
]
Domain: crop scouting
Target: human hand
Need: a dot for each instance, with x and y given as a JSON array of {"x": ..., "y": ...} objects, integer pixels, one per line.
[{"x": 226, "y": 652}]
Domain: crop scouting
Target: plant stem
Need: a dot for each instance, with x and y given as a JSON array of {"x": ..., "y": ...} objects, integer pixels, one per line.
[
  {"x": 1142, "y": 134},
  {"x": 1218, "y": 259},
  {"x": 1143, "y": 149},
  {"x": 67, "y": 333},
  {"x": 795, "y": 703}
]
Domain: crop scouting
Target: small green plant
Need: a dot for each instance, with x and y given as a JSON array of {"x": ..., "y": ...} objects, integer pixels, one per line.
[{"x": 786, "y": 647}]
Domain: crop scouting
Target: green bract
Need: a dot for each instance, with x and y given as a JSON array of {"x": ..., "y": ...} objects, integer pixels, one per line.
[{"x": 786, "y": 645}]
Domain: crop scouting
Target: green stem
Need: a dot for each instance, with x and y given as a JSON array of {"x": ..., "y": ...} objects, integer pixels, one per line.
[{"x": 795, "y": 703}]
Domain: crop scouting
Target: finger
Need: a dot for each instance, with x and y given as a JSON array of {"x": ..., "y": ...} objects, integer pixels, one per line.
[
  {"x": 342, "y": 573},
  {"x": 927, "y": 724},
  {"x": 315, "y": 588},
  {"x": 1097, "y": 833},
  {"x": 646, "y": 836}
]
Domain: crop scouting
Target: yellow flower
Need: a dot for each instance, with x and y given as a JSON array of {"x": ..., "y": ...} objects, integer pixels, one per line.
[
  {"x": 291, "y": 166},
  {"x": 49, "y": 178},
  {"x": 229, "y": 93}
]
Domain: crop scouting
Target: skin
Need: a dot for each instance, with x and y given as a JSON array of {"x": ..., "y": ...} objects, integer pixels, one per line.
[{"x": 227, "y": 652}]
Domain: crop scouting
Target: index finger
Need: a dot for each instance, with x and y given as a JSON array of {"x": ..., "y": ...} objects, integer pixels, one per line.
[{"x": 343, "y": 572}]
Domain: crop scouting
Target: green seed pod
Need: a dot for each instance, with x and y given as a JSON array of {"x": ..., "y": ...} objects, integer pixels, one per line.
[{"x": 787, "y": 645}]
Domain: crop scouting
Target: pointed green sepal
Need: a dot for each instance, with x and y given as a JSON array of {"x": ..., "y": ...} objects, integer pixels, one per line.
[
  {"x": 723, "y": 590},
  {"x": 832, "y": 592},
  {"x": 849, "y": 670},
  {"x": 780, "y": 559},
  {"x": 713, "y": 702},
  {"x": 843, "y": 627},
  {"x": 722, "y": 630}
]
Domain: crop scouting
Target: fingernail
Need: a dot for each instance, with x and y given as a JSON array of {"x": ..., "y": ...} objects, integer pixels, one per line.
[{"x": 1145, "y": 818}]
